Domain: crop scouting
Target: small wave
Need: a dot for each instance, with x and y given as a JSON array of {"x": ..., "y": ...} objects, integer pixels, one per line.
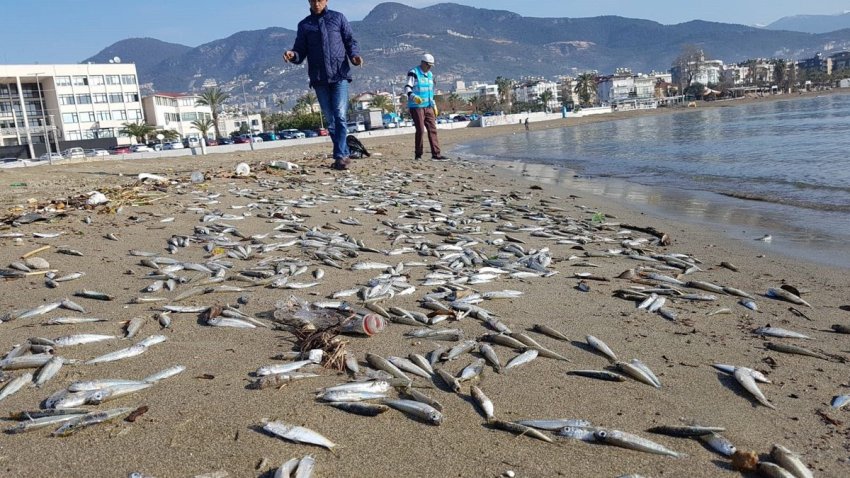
[{"x": 761, "y": 197}]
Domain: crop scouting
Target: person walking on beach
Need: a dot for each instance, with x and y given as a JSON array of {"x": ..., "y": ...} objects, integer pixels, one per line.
[
  {"x": 526, "y": 124},
  {"x": 423, "y": 110},
  {"x": 326, "y": 41}
]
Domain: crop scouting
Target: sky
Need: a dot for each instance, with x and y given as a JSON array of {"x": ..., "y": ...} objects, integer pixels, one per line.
[{"x": 69, "y": 31}]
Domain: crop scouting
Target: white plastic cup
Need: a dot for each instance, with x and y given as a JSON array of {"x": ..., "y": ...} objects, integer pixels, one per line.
[{"x": 369, "y": 324}]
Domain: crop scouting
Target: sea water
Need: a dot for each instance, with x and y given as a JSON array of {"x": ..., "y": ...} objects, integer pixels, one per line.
[{"x": 778, "y": 167}]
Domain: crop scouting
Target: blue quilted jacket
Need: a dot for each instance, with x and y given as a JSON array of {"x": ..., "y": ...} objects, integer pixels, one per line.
[{"x": 327, "y": 43}]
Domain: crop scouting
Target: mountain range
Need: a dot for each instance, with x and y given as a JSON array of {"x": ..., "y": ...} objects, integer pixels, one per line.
[
  {"x": 812, "y": 23},
  {"x": 468, "y": 43}
]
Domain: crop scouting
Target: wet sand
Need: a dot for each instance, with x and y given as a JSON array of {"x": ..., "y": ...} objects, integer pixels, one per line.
[{"x": 205, "y": 420}]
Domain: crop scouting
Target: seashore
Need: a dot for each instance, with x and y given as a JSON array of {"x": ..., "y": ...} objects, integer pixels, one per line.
[{"x": 207, "y": 420}]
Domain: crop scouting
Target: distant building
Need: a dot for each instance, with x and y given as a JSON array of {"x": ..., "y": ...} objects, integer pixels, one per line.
[
  {"x": 531, "y": 92},
  {"x": 475, "y": 90},
  {"x": 176, "y": 111},
  {"x": 623, "y": 88},
  {"x": 706, "y": 72},
  {"x": 840, "y": 61},
  {"x": 816, "y": 63},
  {"x": 68, "y": 103},
  {"x": 229, "y": 123}
]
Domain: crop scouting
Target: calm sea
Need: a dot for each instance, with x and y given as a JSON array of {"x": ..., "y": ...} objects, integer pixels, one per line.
[{"x": 778, "y": 167}]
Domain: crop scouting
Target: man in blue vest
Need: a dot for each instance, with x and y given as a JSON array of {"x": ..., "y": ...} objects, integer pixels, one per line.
[
  {"x": 420, "y": 101},
  {"x": 326, "y": 41}
]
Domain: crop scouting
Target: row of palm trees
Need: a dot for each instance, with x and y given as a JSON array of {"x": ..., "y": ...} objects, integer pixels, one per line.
[{"x": 212, "y": 97}]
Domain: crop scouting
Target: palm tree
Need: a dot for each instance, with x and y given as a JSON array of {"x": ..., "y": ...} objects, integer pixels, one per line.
[
  {"x": 585, "y": 87},
  {"x": 167, "y": 134},
  {"x": 383, "y": 102},
  {"x": 204, "y": 125},
  {"x": 305, "y": 104},
  {"x": 473, "y": 102},
  {"x": 214, "y": 98},
  {"x": 454, "y": 100},
  {"x": 505, "y": 86},
  {"x": 140, "y": 131},
  {"x": 545, "y": 98}
]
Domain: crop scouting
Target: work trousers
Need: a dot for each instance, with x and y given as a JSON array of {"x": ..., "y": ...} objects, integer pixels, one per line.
[{"x": 424, "y": 119}]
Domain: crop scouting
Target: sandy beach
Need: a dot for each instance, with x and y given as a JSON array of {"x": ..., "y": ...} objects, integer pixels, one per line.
[{"x": 207, "y": 421}]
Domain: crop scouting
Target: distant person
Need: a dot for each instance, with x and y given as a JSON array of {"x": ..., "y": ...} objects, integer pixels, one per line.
[
  {"x": 326, "y": 41},
  {"x": 420, "y": 101},
  {"x": 526, "y": 124}
]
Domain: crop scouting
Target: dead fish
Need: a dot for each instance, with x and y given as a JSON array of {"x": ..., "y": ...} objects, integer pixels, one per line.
[
  {"x": 298, "y": 434},
  {"x": 15, "y": 385},
  {"x": 839, "y": 401},
  {"x": 419, "y": 410},
  {"x": 729, "y": 266},
  {"x": 546, "y": 330},
  {"x": 552, "y": 424},
  {"x": 360, "y": 408},
  {"x": 793, "y": 349},
  {"x": 841, "y": 329},
  {"x": 93, "y": 294},
  {"x": 518, "y": 429},
  {"x": 772, "y": 470},
  {"x": 791, "y": 462},
  {"x": 449, "y": 379},
  {"x": 748, "y": 382},
  {"x": 472, "y": 370},
  {"x": 779, "y": 332},
  {"x": 787, "y": 296},
  {"x": 718, "y": 443},
  {"x": 684, "y": 431},
  {"x": 599, "y": 375},
  {"x": 601, "y": 347},
  {"x": 484, "y": 403},
  {"x": 750, "y": 304},
  {"x": 633, "y": 442},
  {"x": 638, "y": 373},
  {"x": 522, "y": 358},
  {"x": 488, "y": 353}
]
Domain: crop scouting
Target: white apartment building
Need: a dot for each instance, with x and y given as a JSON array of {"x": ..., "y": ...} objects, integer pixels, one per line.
[
  {"x": 229, "y": 123},
  {"x": 67, "y": 103},
  {"x": 475, "y": 90},
  {"x": 623, "y": 86},
  {"x": 177, "y": 112},
  {"x": 530, "y": 92}
]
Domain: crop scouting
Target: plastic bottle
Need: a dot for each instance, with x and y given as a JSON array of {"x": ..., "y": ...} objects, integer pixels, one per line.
[{"x": 369, "y": 324}]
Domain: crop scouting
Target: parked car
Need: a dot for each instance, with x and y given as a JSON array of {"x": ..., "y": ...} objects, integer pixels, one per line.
[
  {"x": 268, "y": 136},
  {"x": 173, "y": 145},
  {"x": 140, "y": 148},
  {"x": 309, "y": 133},
  {"x": 257, "y": 138},
  {"x": 322, "y": 131},
  {"x": 355, "y": 126},
  {"x": 221, "y": 141},
  {"x": 120, "y": 149},
  {"x": 291, "y": 134},
  {"x": 192, "y": 142},
  {"x": 8, "y": 160},
  {"x": 461, "y": 118},
  {"x": 391, "y": 124},
  {"x": 51, "y": 156},
  {"x": 91, "y": 153},
  {"x": 247, "y": 138},
  {"x": 74, "y": 153}
]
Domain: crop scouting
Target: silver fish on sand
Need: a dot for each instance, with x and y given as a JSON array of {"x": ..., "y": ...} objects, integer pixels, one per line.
[
  {"x": 522, "y": 358},
  {"x": 790, "y": 461},
  {"x": 483, "y": 402},
  {"x": 419, "y": 410},
  {"x": 748, "y": 382},
  {"x": 602, "y": 348},
  {"x": 15, "y": 385},
  {"x": 298, "y": 434},
  {"x": 633, "y": 442}
]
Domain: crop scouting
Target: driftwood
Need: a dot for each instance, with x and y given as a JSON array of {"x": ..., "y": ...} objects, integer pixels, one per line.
[{"x": 663, "y": 238}]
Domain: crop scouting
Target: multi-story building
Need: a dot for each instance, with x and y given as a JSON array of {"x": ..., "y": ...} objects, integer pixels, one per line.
[
  {"x": 475, "y": 90},
  {"x": 624, "y": 87},
  {"x": 234, "y": 122},
  {"x": 532, "y": 91},
  {"x": 705, "y": 72},
  {"x": 67, "y": 103},
  {"x": 178, "y": 112},
  {"x": 840, "y": 61}
]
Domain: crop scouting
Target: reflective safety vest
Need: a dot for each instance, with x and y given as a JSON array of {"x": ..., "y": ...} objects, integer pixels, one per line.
[{"x": 424, "y": 88}]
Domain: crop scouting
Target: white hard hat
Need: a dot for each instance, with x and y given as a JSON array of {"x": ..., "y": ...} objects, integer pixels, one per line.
[{"x": 428, "y": 58}]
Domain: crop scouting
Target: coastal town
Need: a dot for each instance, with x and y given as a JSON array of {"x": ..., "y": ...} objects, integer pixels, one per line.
[
  {"x": 67, "y": 111},
  {"x": 189, "y": 290}
]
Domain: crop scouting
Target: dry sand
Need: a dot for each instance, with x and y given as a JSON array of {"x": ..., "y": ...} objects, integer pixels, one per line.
[{"x": 206, "y": 420}]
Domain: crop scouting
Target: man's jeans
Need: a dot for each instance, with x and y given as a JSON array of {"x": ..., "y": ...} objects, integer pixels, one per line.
[{"x": 333, "y": 99}]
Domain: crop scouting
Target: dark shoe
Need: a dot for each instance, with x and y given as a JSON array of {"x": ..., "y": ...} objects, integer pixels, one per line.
[
  {"x": 418, "y": 157},
  {"x": 439, "y": 157},
  {"x": 341, "y": 164}
]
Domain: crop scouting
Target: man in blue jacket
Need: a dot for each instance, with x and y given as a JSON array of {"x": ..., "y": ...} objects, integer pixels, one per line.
[{"x": 325, "y": 40}]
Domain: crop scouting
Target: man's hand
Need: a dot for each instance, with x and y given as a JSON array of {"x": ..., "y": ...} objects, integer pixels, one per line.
[
  {"x": 417, "y": 99},
  {"x": 288, "y": 56},
  {"x": 357, "y": 61}
]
